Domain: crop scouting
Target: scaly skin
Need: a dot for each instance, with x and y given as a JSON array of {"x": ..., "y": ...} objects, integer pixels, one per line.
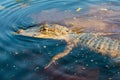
[{"x": 104, "y": 45}]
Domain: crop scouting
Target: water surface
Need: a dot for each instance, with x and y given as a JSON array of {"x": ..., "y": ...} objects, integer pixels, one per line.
[{"x": 24, "y": 58}]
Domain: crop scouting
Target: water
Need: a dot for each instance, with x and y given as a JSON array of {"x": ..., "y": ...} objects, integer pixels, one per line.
[{"x": 24, "y": 58}]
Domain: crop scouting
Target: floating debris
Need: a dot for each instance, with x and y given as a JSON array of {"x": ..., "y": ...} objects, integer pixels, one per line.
[
  {"x": 16, "y": 53},
  {"x": 103, "y": 9},
  {"x": 91, "y": 60},
  {"x": 109, "y": 78},
  {"x": 24, "y": 5},
  {"x": 78, "y": 9},
  {"x": 2, "y": 7},
  {"x": 36, "y": 68},
  {"x": 44, "y": 46},
  {"x": 83, "y": 68}
]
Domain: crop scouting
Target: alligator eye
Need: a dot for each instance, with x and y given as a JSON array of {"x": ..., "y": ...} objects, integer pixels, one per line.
[{"x": 20, "y": 31}]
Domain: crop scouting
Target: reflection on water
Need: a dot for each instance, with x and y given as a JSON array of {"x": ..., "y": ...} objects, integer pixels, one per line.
[{"x": 24, "y": 58}]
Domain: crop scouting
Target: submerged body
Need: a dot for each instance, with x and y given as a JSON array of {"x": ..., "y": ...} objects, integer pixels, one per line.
[{"x": 95, "y": 42}]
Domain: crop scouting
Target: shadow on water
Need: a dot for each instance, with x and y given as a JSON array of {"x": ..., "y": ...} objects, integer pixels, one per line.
[{"x": 24, "y": 58}]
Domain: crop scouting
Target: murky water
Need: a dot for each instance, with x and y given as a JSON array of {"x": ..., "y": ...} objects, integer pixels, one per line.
[{"x": 24, "y": 58}]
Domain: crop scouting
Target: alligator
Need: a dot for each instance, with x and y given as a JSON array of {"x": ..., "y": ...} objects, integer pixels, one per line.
[{"x": 73, "y": 37}]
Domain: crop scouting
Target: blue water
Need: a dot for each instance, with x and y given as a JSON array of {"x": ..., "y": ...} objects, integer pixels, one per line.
[{"x": 24, "y": 58}]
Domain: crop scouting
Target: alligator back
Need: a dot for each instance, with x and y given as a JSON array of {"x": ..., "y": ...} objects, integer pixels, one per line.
[{"x": 104, "y": 45}]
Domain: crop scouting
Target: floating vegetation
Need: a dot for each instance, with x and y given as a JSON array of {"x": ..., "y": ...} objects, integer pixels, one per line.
[
  {"x": 78, "y": 9},
  {"x": 103, "y": 9}
]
